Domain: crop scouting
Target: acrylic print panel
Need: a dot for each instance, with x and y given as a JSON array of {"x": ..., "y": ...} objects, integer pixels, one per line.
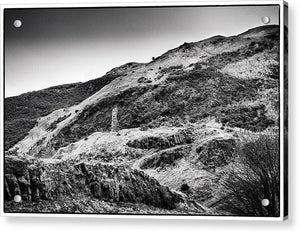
[{"x": 146, "y": 110}]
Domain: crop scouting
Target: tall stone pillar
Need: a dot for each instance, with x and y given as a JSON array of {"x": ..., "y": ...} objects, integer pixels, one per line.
[{"x": 114, "y": 120}]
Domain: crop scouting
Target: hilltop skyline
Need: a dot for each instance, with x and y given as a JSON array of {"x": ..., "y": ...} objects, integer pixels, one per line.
[{"x": 45, "y": 52}]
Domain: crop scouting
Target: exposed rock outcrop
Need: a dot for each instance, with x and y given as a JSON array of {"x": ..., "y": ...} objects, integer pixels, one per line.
[
  {"x": 35, "y": 181},
  {"x": 182, "y": 137},
  {"x": 166, "y": 157}
]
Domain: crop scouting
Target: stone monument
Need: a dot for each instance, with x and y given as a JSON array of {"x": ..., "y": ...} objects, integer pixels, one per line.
[{"x": 114, "y": 120}]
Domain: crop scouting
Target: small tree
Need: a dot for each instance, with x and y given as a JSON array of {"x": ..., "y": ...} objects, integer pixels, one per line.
[{"x": 253, "y": 178}]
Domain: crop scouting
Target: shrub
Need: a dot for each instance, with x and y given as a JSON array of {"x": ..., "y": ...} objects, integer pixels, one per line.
[
  {"x": 53, "y": 125},
  {"x": 171, "y": 69},
  {"x": 184, "y": 187},
  {"x": 144, "y": 127},
  {"x": 252, "y": 44},
  {"x": 144, "y": 80},
  {"x": 198, "y": 66},
  {"x": 254, "y": 178}
]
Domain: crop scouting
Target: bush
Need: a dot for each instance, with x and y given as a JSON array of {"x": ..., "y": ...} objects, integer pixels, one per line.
[
  {"x": 254, "y": 178},
  {"x": 184, "y": 187},
  {"x": 171, "y": 69},
  {"x": 144, "y": 127},
  {"x": 144, "y": 80}
]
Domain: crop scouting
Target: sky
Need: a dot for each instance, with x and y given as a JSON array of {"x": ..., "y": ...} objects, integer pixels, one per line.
[{"x": 59, "y": 46}]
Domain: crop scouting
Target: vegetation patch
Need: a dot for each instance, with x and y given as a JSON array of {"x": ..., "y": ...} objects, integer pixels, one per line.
[
  {"x": 216, "y": 153},
  {"x": 16, "y": 129},
  {"x": 247, "y": 117},
  {"x": 170, "y": 69},
  {"x": 53, "y": 125},
  {"x": 144, "y": 80},
  {"x": 255, "y": 46}
]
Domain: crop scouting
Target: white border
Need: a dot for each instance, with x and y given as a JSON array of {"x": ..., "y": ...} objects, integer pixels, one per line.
[{"x": 128, "y": 4}]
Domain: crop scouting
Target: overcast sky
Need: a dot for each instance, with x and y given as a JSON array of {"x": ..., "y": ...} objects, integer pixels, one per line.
[{"x": 58, "y": 46}]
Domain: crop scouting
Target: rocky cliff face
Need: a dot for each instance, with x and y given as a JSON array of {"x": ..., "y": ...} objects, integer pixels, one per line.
[
  {"x": 182, "y": 117},
  {"x": 34, "y": 180}
]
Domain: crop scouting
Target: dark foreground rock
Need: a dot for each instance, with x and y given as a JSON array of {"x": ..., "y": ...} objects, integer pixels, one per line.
[{"x": 36, "y": 181}]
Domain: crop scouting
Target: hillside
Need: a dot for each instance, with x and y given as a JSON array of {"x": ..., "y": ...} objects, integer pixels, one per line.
[
  {"x": 22, "y": 112},
  {"x": 183, "y": 120}
]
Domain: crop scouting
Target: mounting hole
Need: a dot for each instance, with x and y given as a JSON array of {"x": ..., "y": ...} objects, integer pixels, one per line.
[
  {"x": 265, "y": 19},
  {"x": 17, "y": 23},
  {"x": 17, "y": 198},
  {"x": 265, "y": 202}
]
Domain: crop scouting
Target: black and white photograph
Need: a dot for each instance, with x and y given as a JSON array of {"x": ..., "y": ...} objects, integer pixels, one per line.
[{"x": 145, "y": 110}]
